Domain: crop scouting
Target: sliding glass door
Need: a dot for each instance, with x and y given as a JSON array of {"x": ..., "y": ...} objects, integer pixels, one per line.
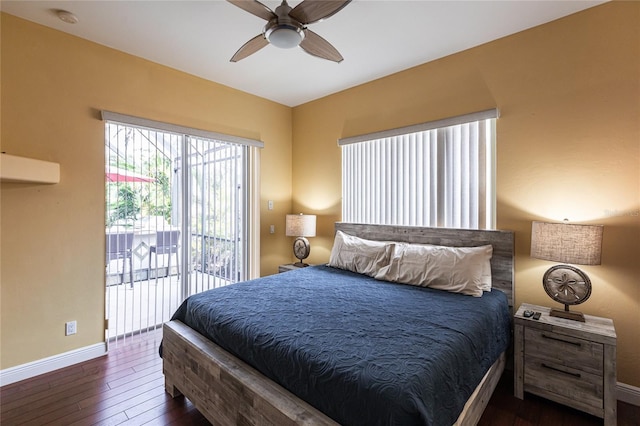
[
  {"x": 217, "y": 211},
  {"x": 176, "y": 222}
]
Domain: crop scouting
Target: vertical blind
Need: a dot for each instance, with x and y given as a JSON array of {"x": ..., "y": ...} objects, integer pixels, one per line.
[{"x": 438, "y": 174}]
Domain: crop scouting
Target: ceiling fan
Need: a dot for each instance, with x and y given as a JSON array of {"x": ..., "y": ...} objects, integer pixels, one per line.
[{"x": 287, "y": 27}]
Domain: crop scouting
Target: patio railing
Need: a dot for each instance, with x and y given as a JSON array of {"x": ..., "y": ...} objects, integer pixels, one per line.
[{"x": 216, "y": 256}]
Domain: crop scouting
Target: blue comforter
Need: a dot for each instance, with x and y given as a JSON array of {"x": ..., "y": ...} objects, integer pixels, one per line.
[{"x": 362, "y": 351}]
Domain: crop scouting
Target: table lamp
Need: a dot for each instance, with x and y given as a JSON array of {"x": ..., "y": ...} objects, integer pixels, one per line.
[
  {"x": 301, "y": 226},
  {"x": 567, "y": 243}
]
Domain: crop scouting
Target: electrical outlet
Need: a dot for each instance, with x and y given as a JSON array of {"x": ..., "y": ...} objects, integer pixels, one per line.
[
  {"x": 71, "y": 327},
  {"x": 272, "y": 229}
]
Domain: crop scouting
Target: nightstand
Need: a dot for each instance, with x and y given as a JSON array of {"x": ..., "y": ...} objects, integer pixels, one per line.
[
  {"x": 288, "y": 267},
  {"x": 570, "y": 362}
]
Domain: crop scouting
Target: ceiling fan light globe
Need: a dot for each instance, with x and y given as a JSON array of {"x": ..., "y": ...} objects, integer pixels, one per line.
[{"x": 285, "y": 37}]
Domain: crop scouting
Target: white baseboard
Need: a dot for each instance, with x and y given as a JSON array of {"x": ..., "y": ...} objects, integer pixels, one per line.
[
  {"x": 46, "y": 365},
  {"x": 629, "y": 394}
]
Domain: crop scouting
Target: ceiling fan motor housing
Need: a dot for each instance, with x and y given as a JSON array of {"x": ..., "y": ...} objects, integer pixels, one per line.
[{"x": 283, "y": 31}]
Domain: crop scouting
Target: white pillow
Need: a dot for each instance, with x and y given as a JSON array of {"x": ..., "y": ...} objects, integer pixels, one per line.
[
  {"x": 359, "y": 255},
  {"x": 454, "y": 269},
  {"x": 486, "y": 280}
]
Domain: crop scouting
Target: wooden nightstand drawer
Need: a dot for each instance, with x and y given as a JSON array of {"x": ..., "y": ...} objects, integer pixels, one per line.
[
  {"x": 563, "y": 384},
  {"x": 570, "y": 362},
  {"x": 559, "y": 349}
]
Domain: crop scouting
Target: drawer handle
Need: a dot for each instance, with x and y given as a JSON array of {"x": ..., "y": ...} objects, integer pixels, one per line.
[
  {"x": 561, "y": 340},
  {"x": 576, "y": 375}
]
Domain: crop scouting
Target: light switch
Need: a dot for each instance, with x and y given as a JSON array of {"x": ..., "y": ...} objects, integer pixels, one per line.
[
  {"x": 270, "y": 206},
  {"x": 272, "y": 229}
]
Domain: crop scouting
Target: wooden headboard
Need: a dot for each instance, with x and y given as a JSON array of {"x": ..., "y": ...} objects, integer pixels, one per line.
[{"x": 502, "y": 242}]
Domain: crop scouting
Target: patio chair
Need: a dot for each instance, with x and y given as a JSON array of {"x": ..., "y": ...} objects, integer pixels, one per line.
[
  {"x": 167, "y": 242},
  {"x": 119, "y": 246}
]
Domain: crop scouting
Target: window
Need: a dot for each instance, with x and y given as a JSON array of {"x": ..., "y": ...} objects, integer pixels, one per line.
[{"x": 438, "y": 174}]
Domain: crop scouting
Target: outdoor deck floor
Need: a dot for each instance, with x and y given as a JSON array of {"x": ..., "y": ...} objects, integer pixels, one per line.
[{"x": 149, "y": 303}]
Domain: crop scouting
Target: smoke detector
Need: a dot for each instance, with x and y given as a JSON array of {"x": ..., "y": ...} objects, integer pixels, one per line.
[{"x": 67, "y": 17}]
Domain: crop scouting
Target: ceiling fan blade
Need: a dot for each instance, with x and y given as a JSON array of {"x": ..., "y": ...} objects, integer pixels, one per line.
[
  {"x": 256, "y": 8},
  {"x": 315, "y": 45},
  {"x": 250, "y": 47},
  {"x": 310, "y": 11}
]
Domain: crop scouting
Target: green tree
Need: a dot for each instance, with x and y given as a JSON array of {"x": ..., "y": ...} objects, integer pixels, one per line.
[
  {"x": 127, "y": 206},
  {"x": 156, "y": 198}
]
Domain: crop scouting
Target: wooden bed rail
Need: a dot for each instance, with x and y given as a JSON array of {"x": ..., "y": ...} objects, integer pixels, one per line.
[{"x": 224, "y": 389}]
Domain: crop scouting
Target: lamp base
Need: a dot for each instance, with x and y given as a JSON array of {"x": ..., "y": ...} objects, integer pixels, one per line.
[
  {"x": 567, "y": 314},
  {"x": 301, "y": 250}
]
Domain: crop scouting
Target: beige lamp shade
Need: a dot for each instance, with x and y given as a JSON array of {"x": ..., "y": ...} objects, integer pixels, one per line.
[
  {"x": 567, "y": 243},
  {"x": 301, "y": 225}
]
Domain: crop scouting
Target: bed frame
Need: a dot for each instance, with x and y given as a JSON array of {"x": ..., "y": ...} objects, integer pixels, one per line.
[{"x": 227, "y": 391}]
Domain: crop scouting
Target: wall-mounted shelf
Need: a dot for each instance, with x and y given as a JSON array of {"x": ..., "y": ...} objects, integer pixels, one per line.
[{"x": 28, "y": 170}]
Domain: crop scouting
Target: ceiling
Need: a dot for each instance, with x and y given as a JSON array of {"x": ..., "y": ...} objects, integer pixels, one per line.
[{"x": 375, "y": 37}]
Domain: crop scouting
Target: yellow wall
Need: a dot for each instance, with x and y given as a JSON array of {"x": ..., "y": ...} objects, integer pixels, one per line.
[
  {"x": 53, "y": 86},
  {"x": 568, "y": 145}
]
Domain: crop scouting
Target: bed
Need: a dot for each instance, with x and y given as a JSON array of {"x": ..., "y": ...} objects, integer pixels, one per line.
[{"x": 318, "y": 389}]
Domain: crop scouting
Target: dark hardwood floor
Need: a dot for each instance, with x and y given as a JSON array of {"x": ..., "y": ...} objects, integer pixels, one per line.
[{"x": 126, "y": 388}]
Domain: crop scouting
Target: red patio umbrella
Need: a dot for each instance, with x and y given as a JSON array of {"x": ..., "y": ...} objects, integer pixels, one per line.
[{"x": 114, "y": 174}]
